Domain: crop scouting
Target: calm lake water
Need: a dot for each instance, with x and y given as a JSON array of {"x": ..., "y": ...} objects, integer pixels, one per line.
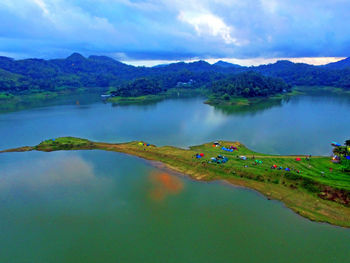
[{"x": 95, "y": 206}]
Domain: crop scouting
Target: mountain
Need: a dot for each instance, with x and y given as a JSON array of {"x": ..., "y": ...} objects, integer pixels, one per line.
[
  {"x": 76, "y": 57},
  {"x": 342, "y": 64},
  {"x": 101, "y": 71},
  {"x": 225, "y": 64},
  {"x": 197, "y": 66}
]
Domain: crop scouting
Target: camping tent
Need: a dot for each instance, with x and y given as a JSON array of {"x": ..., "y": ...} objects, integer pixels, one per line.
[
  {"x": 298, "y": 159},
  {"x": 227, "y": 149}
]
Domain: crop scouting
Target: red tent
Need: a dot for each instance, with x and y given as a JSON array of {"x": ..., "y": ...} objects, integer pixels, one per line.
[
  {"x": 201, "y": 154},
  {"x": 298, "y": 159}
]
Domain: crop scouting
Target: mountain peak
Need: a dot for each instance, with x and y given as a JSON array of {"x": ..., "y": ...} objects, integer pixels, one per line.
[
  {"x": 225, "y": 64},
  {"x": 199, "y": 62},
  {"x": 76, "y": 57},
  {"x": 284, "y": 62}
]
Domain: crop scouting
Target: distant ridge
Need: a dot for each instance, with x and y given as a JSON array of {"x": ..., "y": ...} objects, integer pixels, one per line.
[
  {"x": 101, "y": 71},
  {"x": 225, "y": 64},
  {"x": 342, "y": 64}
]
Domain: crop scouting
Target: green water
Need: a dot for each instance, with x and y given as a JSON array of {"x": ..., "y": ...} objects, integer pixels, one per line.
[{"x": 95, "y": 206}]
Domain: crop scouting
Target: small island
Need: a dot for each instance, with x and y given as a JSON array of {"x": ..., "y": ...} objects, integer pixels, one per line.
[{"x": 316, "y": 187}]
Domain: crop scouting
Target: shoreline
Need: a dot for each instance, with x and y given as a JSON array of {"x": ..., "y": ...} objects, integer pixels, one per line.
[
  {"x": 18, "y": 102},
  {"x": 296, "y": 191}
]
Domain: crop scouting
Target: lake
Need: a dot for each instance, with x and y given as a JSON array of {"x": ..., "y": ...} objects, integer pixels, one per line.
[{"x": 95, "y": 206}]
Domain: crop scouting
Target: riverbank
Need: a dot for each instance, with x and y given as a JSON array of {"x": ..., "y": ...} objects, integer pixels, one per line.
[
  {"x": 147, "y": 99},
  {"x": 315, "y": 188},
  {"x": 10, "y": 102},
  {"x": 230, "y": 104},
  {"x": 322, "y": 90}
]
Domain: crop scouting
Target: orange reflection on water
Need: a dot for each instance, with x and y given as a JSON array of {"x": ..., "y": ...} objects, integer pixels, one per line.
[{"x": 163, "y": 185}]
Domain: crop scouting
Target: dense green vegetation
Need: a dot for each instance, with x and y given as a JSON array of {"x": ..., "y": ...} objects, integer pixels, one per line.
[
  {"x": 76, "y": 71},
  {"x": 139, "y": 87},
  {"x": 300, "y": 74},
  {"x": 249, "y": 84},
  {"x": 63, "y": 143},
  {"x": 314, "y": 187}
]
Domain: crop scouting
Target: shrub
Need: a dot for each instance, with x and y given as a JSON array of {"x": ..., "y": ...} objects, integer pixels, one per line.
[
  {"x": 310, "y": 185},
  {"x": 276, "y": 181}
]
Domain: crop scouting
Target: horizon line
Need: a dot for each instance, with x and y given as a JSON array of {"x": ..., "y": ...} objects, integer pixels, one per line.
[{"x": 246, "y": 62}]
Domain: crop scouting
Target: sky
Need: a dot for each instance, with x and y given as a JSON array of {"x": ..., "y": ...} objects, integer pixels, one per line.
[{"x": 247, "y": 32}]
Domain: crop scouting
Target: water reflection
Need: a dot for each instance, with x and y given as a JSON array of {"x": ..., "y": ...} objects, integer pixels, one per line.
[
  {"x": 251, "y": 110},
  {"x": 289, "y": 128},
  {"x": 47, "y": 172},
  {"x": 164, "y": 185}
]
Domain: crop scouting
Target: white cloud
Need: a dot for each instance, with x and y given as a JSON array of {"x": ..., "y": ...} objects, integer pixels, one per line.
[
  {"x": 269, "y": 5},
  {"x": 164, "y": 29},
  {"x": 47, "y": 172},
  {"x": 242, "y": 62},
  {"x": 209, "y": 24},
  {"x": 42, "y": 5}
]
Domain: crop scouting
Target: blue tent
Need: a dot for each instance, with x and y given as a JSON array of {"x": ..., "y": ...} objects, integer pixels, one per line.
[
  {"x": 335, "y": 144},
  {"x": 227, "y": 149}
]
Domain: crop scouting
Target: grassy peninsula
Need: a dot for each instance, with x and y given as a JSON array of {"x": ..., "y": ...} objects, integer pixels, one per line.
[{"x": 314, "y": 187}]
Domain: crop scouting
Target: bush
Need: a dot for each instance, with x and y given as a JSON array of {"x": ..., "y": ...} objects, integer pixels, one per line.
[
  {"x": 276, "y": 181},
  {"x": 310, "y": 185},
  {"x": 226, "y": 97},
  {"x": 259, "y": 178},
  {"x": 292, "y": 176}
]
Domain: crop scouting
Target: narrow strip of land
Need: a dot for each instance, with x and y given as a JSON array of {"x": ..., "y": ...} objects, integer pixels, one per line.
[{"x": 313, "y": 187}]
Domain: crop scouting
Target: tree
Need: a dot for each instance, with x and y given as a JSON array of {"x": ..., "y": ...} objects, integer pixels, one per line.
[
  {"x": 226, "y": 96},
  {"x": 347, "y": 143},
  {"x": 340, "y": 150}
]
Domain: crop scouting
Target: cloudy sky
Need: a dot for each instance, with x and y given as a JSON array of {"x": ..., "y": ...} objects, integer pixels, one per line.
[{"x": 250, "y": 31}]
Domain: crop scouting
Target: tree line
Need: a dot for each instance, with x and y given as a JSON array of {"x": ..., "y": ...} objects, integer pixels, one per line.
[{"x": 98, "y": 71}]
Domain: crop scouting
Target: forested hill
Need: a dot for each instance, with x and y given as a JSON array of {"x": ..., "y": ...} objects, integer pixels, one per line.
[{"x": 99, "y": 71}]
